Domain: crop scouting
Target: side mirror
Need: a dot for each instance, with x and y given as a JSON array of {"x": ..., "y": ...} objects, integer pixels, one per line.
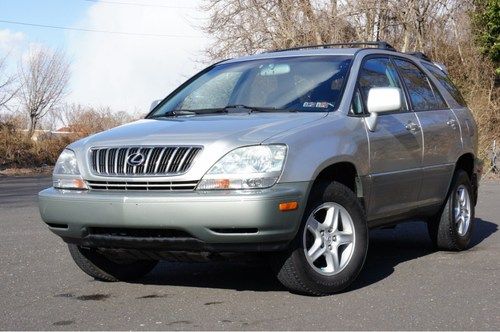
[
  {"x": 154, "y": 104},
  {"x": 381, "y": 100}
]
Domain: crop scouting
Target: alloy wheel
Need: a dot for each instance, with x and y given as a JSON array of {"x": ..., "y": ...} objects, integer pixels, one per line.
[{"x": 329, "y": 238}]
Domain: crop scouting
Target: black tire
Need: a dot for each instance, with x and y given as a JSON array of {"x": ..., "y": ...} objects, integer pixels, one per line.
[
  {"x": 293, "y": 269},
  {"x": 101, "y": 268},
  {"x": 443, "y": 228}
]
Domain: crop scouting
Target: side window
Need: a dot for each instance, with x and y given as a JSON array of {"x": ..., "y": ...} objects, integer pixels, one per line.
[
  {"x": 447, "y": 83},
  {"x": 423, "y": 95},
  {"x": 379, "y": 73},
  {"x": 357, "y": 103}
]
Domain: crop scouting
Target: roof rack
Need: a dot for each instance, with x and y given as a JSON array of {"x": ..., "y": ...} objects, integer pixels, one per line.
[
  {"x": 419, "y": 55},
  {"x": 379, "y": 44}
]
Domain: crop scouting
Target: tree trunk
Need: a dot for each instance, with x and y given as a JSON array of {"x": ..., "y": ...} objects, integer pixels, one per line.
[{"x": 32, "y": 126}]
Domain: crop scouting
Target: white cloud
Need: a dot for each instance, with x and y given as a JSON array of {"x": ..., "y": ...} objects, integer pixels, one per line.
[
  {"x": 11, "y": 41},
  {"x": 128, "y": 72}
]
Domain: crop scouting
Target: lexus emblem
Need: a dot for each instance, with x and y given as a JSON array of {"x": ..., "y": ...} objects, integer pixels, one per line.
[{"x": 136, "y": 159}]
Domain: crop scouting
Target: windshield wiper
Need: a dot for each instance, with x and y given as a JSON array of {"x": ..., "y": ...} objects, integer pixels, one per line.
[
  {"x": 226, "y": 109},
  {"x": 174, "y": 113},
  {"x": 251, "y": 109}
]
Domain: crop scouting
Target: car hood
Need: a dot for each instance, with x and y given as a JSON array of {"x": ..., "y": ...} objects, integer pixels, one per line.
[{"x": 228, "y": 129}]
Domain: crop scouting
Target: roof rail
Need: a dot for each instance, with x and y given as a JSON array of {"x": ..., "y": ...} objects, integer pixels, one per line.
[
  {"x": 419, "y": 55},
  {"x": 379, "y": 44}
]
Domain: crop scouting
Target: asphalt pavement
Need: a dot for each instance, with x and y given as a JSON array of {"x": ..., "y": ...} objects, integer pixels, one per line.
[{"x": 404, "y": 284}]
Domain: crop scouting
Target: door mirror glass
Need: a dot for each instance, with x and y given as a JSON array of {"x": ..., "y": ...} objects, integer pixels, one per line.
[{"x": 382, "y": 100}]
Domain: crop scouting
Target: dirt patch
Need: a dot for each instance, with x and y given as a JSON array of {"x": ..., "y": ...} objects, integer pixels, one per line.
[
  {"x": 63, "y": 323},
  {"x": 90, "y": 297},
  {"x": 152, "y": 296}
]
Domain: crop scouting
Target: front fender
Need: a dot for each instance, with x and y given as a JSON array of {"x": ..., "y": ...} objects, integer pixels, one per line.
[{"x": 312, "y": 148}]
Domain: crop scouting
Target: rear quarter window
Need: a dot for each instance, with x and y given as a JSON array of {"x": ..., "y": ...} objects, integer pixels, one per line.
[
  {"x": 447, "y": 83},
  {"x": 423, "y": 95}
]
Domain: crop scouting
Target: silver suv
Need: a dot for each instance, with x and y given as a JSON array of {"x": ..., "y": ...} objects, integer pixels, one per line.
[{"x": 294, "y": 153}]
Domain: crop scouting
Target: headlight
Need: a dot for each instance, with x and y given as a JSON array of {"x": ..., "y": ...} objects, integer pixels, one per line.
[
  {"x": 250, "y": 167},
  {"x": 66, "y": 174}
]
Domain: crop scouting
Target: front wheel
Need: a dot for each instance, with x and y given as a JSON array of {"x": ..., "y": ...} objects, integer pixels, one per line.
[
  {"x": 100, "y": 267},
  {"x": 452, "y": 228},
  {"x": 331, "y": 245}
]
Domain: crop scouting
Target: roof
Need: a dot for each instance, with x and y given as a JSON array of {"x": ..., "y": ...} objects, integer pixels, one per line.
[
  {"x": 301, "y": 52},
  {"x": 334, "y": 49}
]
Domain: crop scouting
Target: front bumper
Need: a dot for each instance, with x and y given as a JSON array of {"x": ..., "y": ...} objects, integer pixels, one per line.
[{"x": 206, "y": 221}]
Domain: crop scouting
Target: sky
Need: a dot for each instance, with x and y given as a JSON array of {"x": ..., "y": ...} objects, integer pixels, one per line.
[{"x": 155, "y": 45}]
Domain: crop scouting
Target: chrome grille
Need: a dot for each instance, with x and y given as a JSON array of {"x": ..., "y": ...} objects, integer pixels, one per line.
[
  {"x": 141, "y": 186},
  {"x": 156, "y": 160}
]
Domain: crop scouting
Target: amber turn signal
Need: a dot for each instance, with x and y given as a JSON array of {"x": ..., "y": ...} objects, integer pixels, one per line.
[
  {"x": 288, "y": 206},
  {"x": 79, "y": 183}
]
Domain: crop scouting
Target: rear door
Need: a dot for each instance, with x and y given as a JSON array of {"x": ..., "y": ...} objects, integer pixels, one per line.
[
  {"x": 395, "y": 145},
  {"x": 440, "y": 128}
]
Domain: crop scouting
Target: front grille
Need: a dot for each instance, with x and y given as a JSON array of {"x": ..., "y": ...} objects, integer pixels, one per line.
[
  {"x": 149, "y": 186},
  {"x": 150, "y": 161}
]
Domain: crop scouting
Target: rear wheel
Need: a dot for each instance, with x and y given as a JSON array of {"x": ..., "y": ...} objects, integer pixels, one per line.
[
  {"x": 331, "y": 245},
  {"x": 102, "y": 268},
  {"x": 452, "y": 228}
]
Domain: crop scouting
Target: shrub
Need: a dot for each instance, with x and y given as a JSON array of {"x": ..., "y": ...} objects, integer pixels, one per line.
[{"x": 17, "y": 150}]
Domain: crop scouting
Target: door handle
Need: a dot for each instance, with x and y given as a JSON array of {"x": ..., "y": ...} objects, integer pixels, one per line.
[
  {"x": 412, "y": 126},
  {"x": 452, "y": 123}
]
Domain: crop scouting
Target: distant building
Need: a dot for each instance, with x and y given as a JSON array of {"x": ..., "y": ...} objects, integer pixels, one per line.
[{"x": 45, "y": 133}]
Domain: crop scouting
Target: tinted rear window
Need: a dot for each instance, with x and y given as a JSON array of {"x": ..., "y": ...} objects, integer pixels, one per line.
[
  {"x": 447, "y": 83},
  {"x": 423, "y": 94}
]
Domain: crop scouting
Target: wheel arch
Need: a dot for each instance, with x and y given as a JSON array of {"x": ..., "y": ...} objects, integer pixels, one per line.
[
  {"x": 466, "y": 162},
  {"x": 344, "y": 172}
]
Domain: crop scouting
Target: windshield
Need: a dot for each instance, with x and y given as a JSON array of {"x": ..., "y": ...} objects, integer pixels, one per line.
[{"x": 299, "y": 84}]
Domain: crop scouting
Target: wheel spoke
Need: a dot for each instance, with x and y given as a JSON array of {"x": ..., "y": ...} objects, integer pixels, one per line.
[
  {"x": 461, "y": 226},
  {"x": 316, "y": 250},
  {"x": 462, "y": 196},
  {"x": 344, "y": 238},
  {"x": 329, "y": 263},
  {"x": 336, "y": 259},
  {"x": 313, "y": 225},
  {"x": 331, "y": 218},
  {"x": 332, "y": 260}
]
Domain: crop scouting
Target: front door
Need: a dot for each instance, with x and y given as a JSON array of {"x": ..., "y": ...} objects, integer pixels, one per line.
[{"x": 395, "y": 146}]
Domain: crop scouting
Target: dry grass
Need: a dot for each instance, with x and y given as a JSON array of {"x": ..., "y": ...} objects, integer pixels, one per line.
[
  {"x": 487, "y": 116},
  {"x": 18, "y": 151}
]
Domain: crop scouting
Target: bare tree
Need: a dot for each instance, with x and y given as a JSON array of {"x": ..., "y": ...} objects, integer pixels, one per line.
[
  {"x": 44, "y": 78},
  {"x": 8, "y": 84},
  {"x": 250, "y": 26},
  {"x": 85, "y": 120}
]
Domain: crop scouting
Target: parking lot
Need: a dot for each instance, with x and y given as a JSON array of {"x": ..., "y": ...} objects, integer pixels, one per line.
[{"x": 404, "y": 284}]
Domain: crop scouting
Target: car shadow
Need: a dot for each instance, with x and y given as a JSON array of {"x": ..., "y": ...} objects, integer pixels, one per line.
[
  {"x": 255, "y": 276},
  {"x": 388, "y": 248},
  {"x": 407, "y": 241}
]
